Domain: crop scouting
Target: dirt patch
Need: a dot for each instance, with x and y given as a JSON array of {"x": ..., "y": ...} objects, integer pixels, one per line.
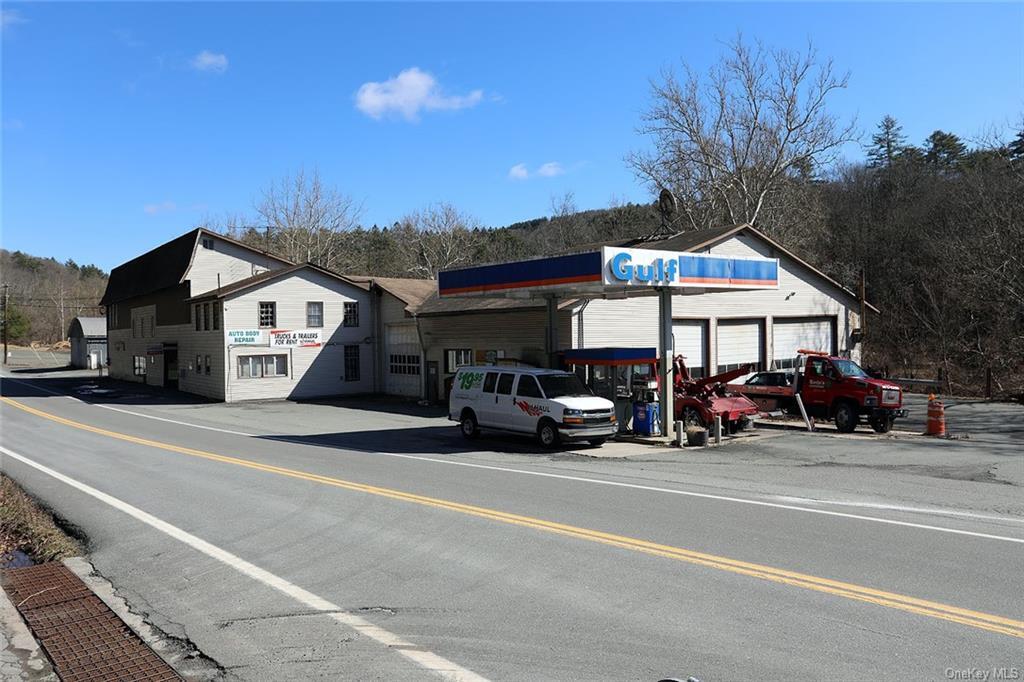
[{"x": 26, "y": 528}]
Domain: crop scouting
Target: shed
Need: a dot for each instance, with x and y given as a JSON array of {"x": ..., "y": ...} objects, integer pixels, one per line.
[{"x": 88, "y": 336}]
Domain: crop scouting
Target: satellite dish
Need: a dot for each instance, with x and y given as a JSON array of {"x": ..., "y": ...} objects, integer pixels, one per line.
[{"x": 667, "y": 204}]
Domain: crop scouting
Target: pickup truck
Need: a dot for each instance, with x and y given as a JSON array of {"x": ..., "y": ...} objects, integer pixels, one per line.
[{"x": 831, "y": 388}]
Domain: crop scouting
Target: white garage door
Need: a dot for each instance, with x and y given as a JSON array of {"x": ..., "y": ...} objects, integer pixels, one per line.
[
  {"x": 739, "y": 343},
  {"x": 691, "y": 341},
  {"x": 402, "y": 360},
  {"x": 795, "y": 333}
]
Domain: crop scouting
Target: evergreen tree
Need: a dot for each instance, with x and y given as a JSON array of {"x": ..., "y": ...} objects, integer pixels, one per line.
[
  {"x": 18, "y": 324},
  {"x": 944, "y": 150},
  {"x": 1016, "y": 148},
  {"x": 886, "y": 144}
]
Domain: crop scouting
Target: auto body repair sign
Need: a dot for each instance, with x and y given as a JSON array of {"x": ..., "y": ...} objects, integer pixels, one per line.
[{"x": 296, "y": 338}]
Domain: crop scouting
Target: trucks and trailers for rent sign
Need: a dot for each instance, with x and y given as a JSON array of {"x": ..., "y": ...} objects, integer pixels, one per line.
[
  {"x": 295, "y": 338},
  {"x": 247, "y": 337}
]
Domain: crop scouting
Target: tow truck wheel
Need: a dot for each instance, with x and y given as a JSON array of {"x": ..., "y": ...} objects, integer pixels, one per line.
[
  {"x": 846, "y": 417},
  {"x": 883, "y": 425},
  {"x": 691, "y": 417},
  {"x": 468, "y": 425},
  {"x": 547, "y": 434}
]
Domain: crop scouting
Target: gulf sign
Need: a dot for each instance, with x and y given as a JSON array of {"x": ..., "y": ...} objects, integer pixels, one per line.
[{"x": 651, "y": 268}]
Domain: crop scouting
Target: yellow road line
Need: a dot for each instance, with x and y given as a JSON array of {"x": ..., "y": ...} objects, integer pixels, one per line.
[{"x": 923, "y": 607}]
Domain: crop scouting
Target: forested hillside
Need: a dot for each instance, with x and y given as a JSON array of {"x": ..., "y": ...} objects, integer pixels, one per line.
[{"x": 44, "y": 295}]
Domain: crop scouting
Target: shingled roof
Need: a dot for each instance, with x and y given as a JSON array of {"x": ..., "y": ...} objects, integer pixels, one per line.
[{"x": 163, "y": 267}]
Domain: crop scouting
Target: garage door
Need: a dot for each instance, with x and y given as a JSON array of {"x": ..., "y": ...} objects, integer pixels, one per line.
[
  {"x": 691, "y": 341},
  {"x": 794, "y": 333},
  {"x": 402, "y": 360},
  {"x": 740, "y": 343}
]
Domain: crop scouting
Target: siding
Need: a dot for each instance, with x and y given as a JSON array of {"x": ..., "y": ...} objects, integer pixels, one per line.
[
  {"x": 634, "y": 322},
  {"x": 312, "y": 372},
  {"x": 230, "y": 261}
]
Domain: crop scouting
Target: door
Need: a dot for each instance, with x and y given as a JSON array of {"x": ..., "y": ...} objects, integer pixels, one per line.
[
  {"x": 816, "y": 384},
  {"x": 800, "y": 333},
  {"x": 402, "y": 360},
  {"x": 529, "y": 404},
  {"x": 691, "y": 341},
  {"x": 497, "y": 406},
  {"x": 170, "y": 367},
  {"x": 433, "y": 372},
  {"x": 740, "y": 342}
]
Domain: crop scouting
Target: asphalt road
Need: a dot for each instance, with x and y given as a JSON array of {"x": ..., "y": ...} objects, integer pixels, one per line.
[{"x": 274, "y": 553}]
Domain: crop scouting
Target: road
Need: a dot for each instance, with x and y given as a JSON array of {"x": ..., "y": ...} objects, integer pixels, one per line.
[{"x": 290, "y": 558}]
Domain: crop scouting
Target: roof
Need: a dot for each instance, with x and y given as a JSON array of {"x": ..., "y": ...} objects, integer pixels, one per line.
[
  {"x": 412, "y": 292},
  {"x": 270, "y": 275},
  {"x": 88, "y": 326},
  {"x": 521, "y": 369},
  {"x": 162, "y": 267},
  {"x": 435, "y": 305}
]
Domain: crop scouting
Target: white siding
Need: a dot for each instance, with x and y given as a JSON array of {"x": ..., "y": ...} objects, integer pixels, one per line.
[
  {"x": 230, "y": 261},
  {"x": 312, "y": 372},
  {"x": 632, "y": 322}
]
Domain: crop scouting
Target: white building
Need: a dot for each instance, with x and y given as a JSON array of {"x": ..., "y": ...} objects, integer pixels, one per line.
[
  {"x": 209, "y": 315},
  {"x": 715, "y": 331}
]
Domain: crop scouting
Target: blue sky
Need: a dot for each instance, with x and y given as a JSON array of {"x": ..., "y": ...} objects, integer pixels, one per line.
[{"x": 125, "y": 124}]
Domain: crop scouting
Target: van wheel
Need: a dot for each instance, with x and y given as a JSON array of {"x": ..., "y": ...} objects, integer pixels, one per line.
[
  {"x": 598, "y": 442},
  {"x": 846, "y": 417},
  {"x": 547, "y": 433},
  {"x": 468, "y": 426}
]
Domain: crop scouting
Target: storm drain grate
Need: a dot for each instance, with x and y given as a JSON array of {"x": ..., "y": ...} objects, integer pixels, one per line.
[{"x": 85, "y": 640}]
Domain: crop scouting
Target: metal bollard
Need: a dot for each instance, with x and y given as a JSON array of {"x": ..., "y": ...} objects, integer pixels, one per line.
[
  {"x": 680, "y": 433},
  {"x": 718, "y": 429}
]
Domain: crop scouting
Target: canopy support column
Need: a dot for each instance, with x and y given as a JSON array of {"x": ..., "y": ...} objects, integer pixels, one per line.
[
  {"x": 551, "y": 339},
  {"x": 667, "y": 352}
]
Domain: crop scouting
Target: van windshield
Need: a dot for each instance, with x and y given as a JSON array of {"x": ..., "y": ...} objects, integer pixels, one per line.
[{"x": 561, "y": 385}]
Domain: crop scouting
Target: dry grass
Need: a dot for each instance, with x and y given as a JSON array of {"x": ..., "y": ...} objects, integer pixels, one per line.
[{"x": 26, "y": 527}]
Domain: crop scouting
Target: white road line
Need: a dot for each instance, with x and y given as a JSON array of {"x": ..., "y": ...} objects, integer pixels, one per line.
[
  {"x": 425, "y": 659},
  {"x": 632, "y": 486}
]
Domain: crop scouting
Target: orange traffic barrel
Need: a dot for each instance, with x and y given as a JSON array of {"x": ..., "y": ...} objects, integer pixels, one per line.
[{"x": 936, "y": 417}]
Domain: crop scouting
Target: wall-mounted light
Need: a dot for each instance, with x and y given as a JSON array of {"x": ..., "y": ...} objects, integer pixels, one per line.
[{"x": 790, "y": 295}]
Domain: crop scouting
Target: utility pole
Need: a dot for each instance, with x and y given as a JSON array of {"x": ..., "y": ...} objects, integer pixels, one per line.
[{"x": 7, "y": 288}]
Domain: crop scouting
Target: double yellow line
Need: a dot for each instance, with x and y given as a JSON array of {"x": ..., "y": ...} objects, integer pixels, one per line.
[{"x": 975, "y": 619}]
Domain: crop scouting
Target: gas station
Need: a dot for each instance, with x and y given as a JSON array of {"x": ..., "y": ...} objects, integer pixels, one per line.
[{"x": 614, "y": 273}]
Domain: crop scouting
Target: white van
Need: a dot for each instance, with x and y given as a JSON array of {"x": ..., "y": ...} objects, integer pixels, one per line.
[{"x": 551, "y": 404}]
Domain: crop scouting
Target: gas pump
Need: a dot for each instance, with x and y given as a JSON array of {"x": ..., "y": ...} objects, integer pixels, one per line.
[
  {"x": 618, "y": 374},
  {"x": 646, "y": 407}
]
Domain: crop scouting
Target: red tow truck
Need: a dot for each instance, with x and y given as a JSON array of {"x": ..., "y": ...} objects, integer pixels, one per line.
[
  {"x": 831, "y": 388},
  {"x": 698, "y": 401}
]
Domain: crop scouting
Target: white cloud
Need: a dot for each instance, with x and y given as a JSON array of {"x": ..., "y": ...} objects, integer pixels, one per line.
[
  {"x": 518, "y": 172},
  {"x": 211, "y": 62},
  {"x": 547, "y": 170},
  {"x": 408, "y": 93},
  {"x": 162, "y": 207},
  {"x": 10, "y": 17},
  {"x": 550, "y": 169}
]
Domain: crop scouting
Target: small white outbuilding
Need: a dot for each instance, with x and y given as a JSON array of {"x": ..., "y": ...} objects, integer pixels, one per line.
[{"x": 88, "y": 336}]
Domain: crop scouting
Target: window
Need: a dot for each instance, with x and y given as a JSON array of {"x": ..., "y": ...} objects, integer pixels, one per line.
[
  {"x": 206, "y": 316},
  {"x": 199, "y": 364},
  {"x": 408, "y": 365},
  {"x": 351, "y": 363},
  {"x": 207, "y": 243},
  {"x": 457, "y": 357},
  {"x": 528, "y": 387},
  {"x": 207, "y": 365},
  {"x": 489, "y": 381},
  {"x": 505, "y": 384},
  {"x": 216, "y": 315},
  {"x": 268, "y": 314},
  {"x": 314, "y": 314},
  {"x": 561, "y": 385},
  {"x": 198, "y": 318},
  {"x": 257, "y": 366},
  {"x": 351, "y": 318},
  {"x": 139, "y": 365}
]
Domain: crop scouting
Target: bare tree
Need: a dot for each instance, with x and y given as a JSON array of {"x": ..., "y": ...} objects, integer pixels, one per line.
[
  {"x": 306, "y": 221},
  {"x": 435, "y": 238},
  {"x": 727, "y": 144}
]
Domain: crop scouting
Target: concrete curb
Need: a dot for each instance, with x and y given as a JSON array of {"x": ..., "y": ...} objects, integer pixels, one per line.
[{"x": 21, "y": 657}]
